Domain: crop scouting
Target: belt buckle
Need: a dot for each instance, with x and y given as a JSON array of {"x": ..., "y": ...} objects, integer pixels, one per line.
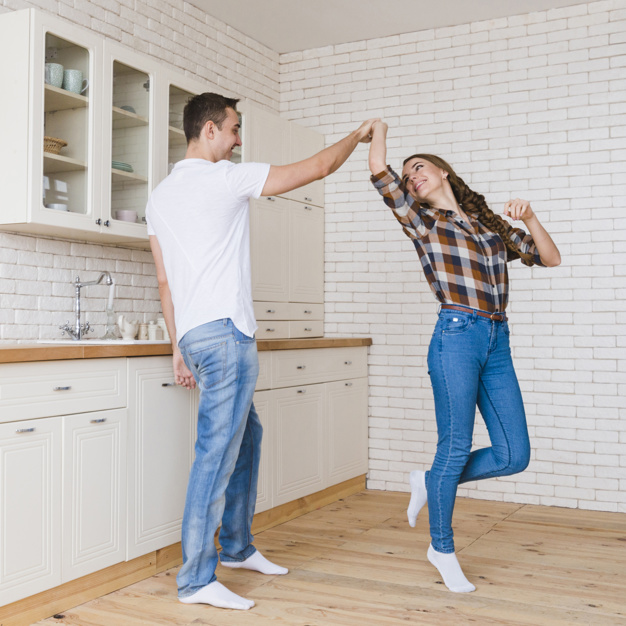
[{"x": 495, "y": 317}]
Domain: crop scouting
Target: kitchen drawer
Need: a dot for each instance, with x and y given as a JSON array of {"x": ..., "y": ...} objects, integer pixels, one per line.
[
  {"x": 288, "y": 311},
  {"x": 301, "y": 367},
  {"x": 272, "y": 330},
  {"x": 44, "y": 389},
  {"x": 264, "y": 381},
  {"x": 306, "y": 328}
]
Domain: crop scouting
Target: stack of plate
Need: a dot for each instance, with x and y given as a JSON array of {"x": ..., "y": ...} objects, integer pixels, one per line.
[{"x": 120, "y": 165}]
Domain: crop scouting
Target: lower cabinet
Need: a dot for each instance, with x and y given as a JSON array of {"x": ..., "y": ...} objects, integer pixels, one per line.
[{"x": 161, "y": 429}]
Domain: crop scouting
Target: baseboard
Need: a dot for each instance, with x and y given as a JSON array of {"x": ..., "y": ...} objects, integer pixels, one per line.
[{"x": 76, "y": 592}]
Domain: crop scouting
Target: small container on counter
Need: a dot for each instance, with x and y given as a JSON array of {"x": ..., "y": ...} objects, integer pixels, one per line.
[
  {"x": 143, "y": 332},
  {"x": 155, "y": 332}
]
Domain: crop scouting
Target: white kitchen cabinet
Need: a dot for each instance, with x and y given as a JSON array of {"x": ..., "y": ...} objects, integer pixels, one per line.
[
  {"x": 160, "y": 446},
  {"x": 306, "y": 253},
  {"x": 299, "y": 438},
  {"x": 94, "y": 491},
  {"x": 304, "y": 143},
  {"x": 263, "y": 406},
  {"x": 265, "y": 135},
  {"x": 30, "y": 507}
]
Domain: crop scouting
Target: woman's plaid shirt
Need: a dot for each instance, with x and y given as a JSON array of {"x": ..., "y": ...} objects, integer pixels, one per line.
[{"x": 464, "y": 263}]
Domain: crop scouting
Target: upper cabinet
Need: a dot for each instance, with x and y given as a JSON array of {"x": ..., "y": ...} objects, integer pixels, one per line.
[{"x": 90, "y": 128}]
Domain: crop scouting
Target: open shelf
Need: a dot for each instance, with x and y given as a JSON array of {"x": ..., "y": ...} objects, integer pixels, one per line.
[
  {"x": 177, "y": 137},
  {"x": 126, "y": 119},
  {"x": 53, "y": 163},
  {"x": 58, "y": 99},
  {"x": 118, "y": 176}
]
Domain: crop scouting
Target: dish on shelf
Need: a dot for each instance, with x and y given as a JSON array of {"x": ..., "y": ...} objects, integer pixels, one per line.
[
  {"x": 53, "y": 145},
  {"x": 58, "y": 206},
  {"x": 130, "y": 109},
  {"x": 126, "y": 215},
  {"x": 123, "y": 167}
]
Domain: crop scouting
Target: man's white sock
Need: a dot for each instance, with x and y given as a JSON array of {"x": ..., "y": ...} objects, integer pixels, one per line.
[
  {"x": 257, "y": 563},
  {"x": 450, "y": 571},
  {"x": 217, "y": 595},
  {"x": 419, "y": 496}
]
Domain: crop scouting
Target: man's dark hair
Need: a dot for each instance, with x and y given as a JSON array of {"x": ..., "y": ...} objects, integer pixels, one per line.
[{"x": 203, "y": 108}]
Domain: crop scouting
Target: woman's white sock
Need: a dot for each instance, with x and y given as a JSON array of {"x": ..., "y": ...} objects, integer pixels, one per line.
[
  {"x": 450, "y": 571},
  {"x": 217, "y": 595},
  {"x": 257, "y": 563},
  {"x": 417, "y": 480}
]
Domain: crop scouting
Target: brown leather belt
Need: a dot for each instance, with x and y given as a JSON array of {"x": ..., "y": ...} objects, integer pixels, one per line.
[{"x": 496, "y": 317}]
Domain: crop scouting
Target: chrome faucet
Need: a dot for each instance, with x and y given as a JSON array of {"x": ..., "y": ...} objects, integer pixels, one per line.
[{"x": 79, "y": 329}]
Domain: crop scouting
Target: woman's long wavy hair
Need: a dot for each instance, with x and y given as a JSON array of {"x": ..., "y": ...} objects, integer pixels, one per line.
[{"x": 474, "y": 203}]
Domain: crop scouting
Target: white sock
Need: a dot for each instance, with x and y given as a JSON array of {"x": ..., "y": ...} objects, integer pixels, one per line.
[
  {"x": 417, "y": 480},
  {"x": 450, "y": 571},
  {"x": 217, "y": 595},
  {"x": 257, "y": 563}
]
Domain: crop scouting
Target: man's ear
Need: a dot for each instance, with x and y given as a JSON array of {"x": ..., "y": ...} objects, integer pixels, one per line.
[{"x": 209, "y": 129}]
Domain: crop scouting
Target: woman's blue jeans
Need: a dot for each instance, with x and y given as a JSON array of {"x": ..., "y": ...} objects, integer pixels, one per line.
[
  {"x": 223, "y": 480},
  {"x": 469, "y": 362}
]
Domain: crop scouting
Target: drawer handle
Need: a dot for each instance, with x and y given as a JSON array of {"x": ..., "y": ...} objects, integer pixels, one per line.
[
  {"x": 271, "y": 199},
  {"x": 270, "y": 330},
  {"x": 308, "y": 208},
  {"x": 308, "y": 312},
  {"x": 308, "y": 199},
  {"x": 62, "y": 388},
  {"x": 270, "y": 311},
  {"x": 100, "y": 420},
  {"x": 301, "y": 391},
  {"x": 168, "y": 384},
  {"x": 348, "y": 384},
  {"x": 308, "y": 330},
  {"x": 347, "y": 362},
  {"x": 300, "y": 367},
  {"x": 25, "y": 430}
]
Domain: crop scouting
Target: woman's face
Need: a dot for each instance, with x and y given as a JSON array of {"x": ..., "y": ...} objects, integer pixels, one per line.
[{"x": 421, "y": 178}]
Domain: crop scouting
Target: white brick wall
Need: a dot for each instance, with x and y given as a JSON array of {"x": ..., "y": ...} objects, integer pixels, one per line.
[
  {"x": 35, "y": 273},
  {"x": 529, "y": 106}
]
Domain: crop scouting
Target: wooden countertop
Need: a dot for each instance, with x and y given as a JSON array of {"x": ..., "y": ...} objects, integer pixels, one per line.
[{"x": 23, "y": 352}]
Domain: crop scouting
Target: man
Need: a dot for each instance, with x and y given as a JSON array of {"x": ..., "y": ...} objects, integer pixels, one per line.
[{"x": 198, "y": 222}]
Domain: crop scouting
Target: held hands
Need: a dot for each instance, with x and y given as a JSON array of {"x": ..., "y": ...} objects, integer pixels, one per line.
[
  {"x": 518, "y": 209},
  {"x": 182, "y": 374},
  {"x": 364, "y": 131}
]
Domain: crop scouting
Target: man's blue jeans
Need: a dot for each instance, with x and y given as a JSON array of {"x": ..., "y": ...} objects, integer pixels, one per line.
[
  {"x": 223, "y": 481},
  {"x": 469, "y": 362}
]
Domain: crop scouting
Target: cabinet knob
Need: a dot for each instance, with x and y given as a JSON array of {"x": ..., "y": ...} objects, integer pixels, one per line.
[
  {"x": 107, "y": 223},
  {"x": 62, "y": 388},
  {"x": 168, "y": 384},
  {"x": 308, "y": 330},
  {"x": 301, "y": 391},
  {"x": 100, "y": 420},
  {"x": 308, "y": 199},
  {"x": 99, "y": 222},
  {"x": 347, "y": 362},
  {"x": 301, "y": 367},
  {"x": 24, "y": 430}
]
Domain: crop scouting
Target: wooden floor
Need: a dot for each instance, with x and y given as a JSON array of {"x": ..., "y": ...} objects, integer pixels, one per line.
[{"x": 358, "y": 563}]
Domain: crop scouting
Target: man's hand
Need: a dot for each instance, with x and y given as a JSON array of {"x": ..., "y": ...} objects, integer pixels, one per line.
[
  {"x": 182, "y": 374},
  {"x": 364, "y": 131}
]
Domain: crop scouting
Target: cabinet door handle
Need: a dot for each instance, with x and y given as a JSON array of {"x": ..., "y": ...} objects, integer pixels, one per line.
[
  {"x": 25, "y": 430},
  {"x": 348, "y": 384},
  {"x": 308, "y": 312},
  {"x": 62, "y": 388},
  {"x": 270, "y": 330},
  {"x": 308, "y": 199},
  {"x": 300, "y": 367},
  {"x": 301, "y": 391},
  {"x": 347, "y": 362},
  {"x": 270, "y": 311},
  {"x": 308, "y": 208},
  {"x": 100, "y": 420},
  {"x": 308, "y": 330},
  {"x": 271, "y": 199},
  {"x": 107, "y": 223},
  {"x": 168, "y": 384}
]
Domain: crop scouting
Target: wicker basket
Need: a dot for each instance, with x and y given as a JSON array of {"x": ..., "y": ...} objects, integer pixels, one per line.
[{"x": 53, "y": 144}]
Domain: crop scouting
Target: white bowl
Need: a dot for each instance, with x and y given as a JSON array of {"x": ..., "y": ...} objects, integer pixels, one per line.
[
  {"x": 126, "y": 215},
  {"x": 58, "y": 206}
]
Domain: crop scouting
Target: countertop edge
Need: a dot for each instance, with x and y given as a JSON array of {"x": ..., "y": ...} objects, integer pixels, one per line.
[{"x": 24, "y": 353}]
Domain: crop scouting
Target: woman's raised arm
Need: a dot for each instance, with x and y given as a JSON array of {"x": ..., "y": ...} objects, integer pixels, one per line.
[{"x": 378, "y": 148}]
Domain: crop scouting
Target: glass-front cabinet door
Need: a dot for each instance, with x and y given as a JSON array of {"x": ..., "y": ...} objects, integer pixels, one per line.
[
  {"x": 129, "y": 116},
  {"x": 177, "y": 98}
]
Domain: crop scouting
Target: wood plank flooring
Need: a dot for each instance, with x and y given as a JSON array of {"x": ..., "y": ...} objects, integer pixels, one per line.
[{"x": 357, "y": 562}]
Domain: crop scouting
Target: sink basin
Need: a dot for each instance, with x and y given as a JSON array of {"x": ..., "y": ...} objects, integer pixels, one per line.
[{"x": 62, "y": 341}]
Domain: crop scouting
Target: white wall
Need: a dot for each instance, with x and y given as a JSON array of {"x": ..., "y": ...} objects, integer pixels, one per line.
[
  {"x": 529, "y": 106},
  {"x": 35, "y": 273}
]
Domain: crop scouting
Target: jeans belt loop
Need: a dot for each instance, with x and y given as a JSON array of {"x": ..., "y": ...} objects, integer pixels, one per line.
[
  {"x": 439, "y": 308},
  {"x": 474, "y": 316}
]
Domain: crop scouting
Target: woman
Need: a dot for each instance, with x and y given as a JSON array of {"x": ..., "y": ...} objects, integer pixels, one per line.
[{"x": 463, "y": 247}]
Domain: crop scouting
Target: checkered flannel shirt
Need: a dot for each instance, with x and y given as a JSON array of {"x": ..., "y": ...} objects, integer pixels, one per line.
[{"x": 464, "y": 263}]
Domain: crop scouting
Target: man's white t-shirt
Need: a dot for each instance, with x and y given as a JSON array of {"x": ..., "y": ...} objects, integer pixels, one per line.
[{"x": 200, "y": 216}]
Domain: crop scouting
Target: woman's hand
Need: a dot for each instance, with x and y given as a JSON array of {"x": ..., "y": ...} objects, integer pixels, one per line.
[
  {"x": 519, "y": 209},
  {"x": 182, "y": 374}
]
